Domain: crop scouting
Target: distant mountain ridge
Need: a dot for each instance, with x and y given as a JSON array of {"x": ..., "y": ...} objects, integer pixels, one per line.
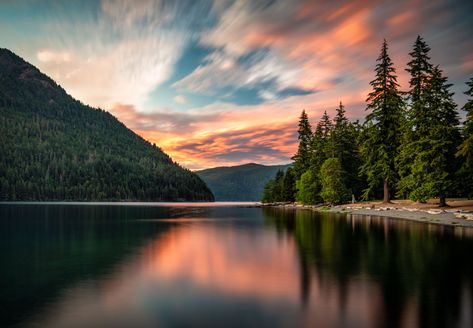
[
  {"x": 239, "y": 183},
  {"x": 53, "y": 147}
]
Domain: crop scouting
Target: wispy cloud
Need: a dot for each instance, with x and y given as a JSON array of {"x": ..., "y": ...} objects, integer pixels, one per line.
[
  {"x": 258, "y": 64},
  {"x": 127, "y": 49}
]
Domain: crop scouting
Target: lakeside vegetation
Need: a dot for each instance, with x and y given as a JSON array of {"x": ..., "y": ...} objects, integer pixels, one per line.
[{"x": 410, "y": 145}]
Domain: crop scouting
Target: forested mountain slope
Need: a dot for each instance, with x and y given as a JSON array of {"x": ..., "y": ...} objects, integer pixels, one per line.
[
  {"x": 53, "y": 147},
  {"x": 239, "y": 183}
]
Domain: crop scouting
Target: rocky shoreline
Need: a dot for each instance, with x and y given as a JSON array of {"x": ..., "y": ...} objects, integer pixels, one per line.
[{"x": 449, "y": 216}]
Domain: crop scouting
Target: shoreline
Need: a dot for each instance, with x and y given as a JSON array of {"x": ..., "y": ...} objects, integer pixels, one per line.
[{"x": 449, "y": 216}]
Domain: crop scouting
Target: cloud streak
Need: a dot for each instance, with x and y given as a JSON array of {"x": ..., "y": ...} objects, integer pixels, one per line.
[{"x": 237, "y": 97}]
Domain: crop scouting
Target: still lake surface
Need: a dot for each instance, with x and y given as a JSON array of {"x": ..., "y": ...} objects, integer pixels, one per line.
[{"x": 188, "y": 265}]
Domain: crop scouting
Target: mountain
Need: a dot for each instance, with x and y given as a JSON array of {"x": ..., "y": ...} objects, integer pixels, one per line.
[
  {"x": 239, "y": 183},
  {"x": 53, "y": 147}
]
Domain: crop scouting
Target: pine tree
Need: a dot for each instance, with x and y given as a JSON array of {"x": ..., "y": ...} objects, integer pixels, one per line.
[
  {"x": 326, "y": 125},
  {"x": 268, "y": 195},
  {"x": 278, "y": 186},
  {"x": 426, "y": 162},
  {"x": 344, "y": 136},
  {"x": 414, "y": 126},
  {"x": 302, "y": 157},
  {"x": 382, "y": 127},
  {"x": 288, "y": 186},
  {"x": 466, "y": 148},
  {"x": 420, "y": 69},
  {"x": 465, "y": 151},
  {"x": 436, "y": 137},
  {"x": 318, "y": 146},
  {"x": 340, "y": 120}
]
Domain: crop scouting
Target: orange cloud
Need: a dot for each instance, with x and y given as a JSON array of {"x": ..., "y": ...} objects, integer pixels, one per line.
[{"x": 327, "y": 48}]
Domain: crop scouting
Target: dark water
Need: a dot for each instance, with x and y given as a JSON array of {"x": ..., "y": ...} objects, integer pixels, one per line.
[{"x": 144, "y": 266}]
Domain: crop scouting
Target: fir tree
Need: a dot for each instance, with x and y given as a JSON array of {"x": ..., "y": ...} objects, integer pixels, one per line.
[
  {"x": 344, "y": 136},
  {"x": 465, "y": 151},
  {"x": 466, "y": 148},
  {"x": 268, "y": 192},
  {"x": 278, "y": 187},
  {"x": 288, "y": 186},
  {"x": 414, "y": 126},
  {"x": 436, "y": 137},
  {"x": 419, "y": 68},
  {"x": 340, "y": 120},
  {"x": 382, "y": 125},
  {"x": 318, "y": 146},
  {"x": 302, "y": 157},
  {"x": 326, "y": 125}
]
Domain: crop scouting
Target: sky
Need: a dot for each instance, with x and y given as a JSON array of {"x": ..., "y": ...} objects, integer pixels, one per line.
[{"x": 222, "y": 82}]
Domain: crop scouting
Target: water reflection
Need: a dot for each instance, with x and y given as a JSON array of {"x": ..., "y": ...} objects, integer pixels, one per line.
[
  {"x": 106, "y": 266},
  {"x": 422, "y": 275}
]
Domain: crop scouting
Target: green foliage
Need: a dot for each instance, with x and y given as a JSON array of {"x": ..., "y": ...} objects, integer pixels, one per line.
[
  {"x": 268, "y": 192},
  {"x": 382, "y": 127},
  {"x": 288, "y": 186},
  {"x": 308, "y": 188},
  {"x": 420, "y": 70},
  {"x": 427, "y": 157},
  {"x": 331, "y": 175},
  {"x": 281, "y": 188},
  {"x": 302, "y": 157},
  {"x": 55, "y": 148},
  {"x": 404, "y": 145},
  {"x": 345, "y": 137},
  {"x": 465, "y": 150}
]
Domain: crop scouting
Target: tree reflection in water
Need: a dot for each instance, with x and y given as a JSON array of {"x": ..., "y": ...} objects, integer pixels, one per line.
[{"x": 421, "y": 270}]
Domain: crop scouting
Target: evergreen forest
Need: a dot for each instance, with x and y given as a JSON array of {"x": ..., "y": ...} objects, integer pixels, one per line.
[
  {"x": 53, "y": 147},
  {"x": 411, "y": 144}
]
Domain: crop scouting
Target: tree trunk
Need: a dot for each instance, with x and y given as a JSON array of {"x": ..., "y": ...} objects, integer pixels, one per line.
[
  {"x": 442, "y": 201},
  {"x": 386, "y": 191}
]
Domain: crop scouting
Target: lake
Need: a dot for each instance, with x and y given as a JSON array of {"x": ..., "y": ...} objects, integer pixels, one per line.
[{"x": 188, "y": 265}]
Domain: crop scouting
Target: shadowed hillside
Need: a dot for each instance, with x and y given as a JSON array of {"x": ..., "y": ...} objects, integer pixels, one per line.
[
  {"x": 239, "y": 183},
  {"x": 54, "y": 147}
]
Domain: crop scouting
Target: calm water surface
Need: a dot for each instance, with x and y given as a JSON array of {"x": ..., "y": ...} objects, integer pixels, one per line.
[{"x": 138, "y": 266}]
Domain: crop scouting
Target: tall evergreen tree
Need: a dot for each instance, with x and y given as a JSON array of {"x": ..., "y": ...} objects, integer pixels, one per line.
[
  {"x": 344, "y": 136},
  {"x": 303, "y": 155},
  {"x": 340, "y": 120},
  {"x": 318, "y": 145},
  {"x": 288, "y": 186},
  {"x": 382, "y": 126},
  {"x": 436, "y": 138},
  {"x": 426, "y": 161},
  {"x": 321, "y": 149},
  {"x": 466, "y": 148},
  {"x": 326, "y": 125},
  {"x": 420, "y": 69},
  {"x": 465, "y": 151}
]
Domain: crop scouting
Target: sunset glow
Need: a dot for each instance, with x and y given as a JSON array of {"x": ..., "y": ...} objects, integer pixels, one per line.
[{"x": 223, "y": 82}]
